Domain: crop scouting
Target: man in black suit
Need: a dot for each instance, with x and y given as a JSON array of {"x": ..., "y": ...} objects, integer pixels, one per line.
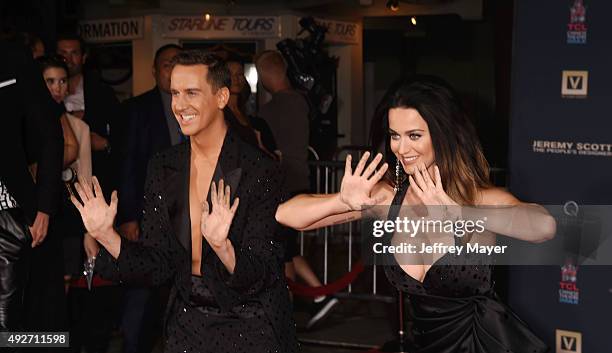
[
  {"x": 93, "y": 101},
  {"x": 30, "y": 131},
  {"x": 228, "y": 289},
  {"x": 150, "y": 127}
]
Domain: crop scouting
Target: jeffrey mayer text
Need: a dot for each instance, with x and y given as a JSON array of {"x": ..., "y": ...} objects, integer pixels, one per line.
[{"x": 438, "y": 248}]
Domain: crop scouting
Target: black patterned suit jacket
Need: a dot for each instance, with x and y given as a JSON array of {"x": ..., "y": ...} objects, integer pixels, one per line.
[{"x": 164, "y": 251}]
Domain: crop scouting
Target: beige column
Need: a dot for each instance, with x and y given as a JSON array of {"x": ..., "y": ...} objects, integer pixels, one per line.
[
  {"x": 351, "y": 122},
  {"x": 143, "y": 53}
]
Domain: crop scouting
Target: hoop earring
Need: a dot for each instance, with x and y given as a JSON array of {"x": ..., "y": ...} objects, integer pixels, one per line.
[{"x": 398, "y": 167}]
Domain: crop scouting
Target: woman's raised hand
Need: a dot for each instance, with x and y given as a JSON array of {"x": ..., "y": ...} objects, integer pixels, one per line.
[
  {"x": 430, "y": 191},
  {"x": 97, "y": 215},
  {"x": 356, "y": 187}
]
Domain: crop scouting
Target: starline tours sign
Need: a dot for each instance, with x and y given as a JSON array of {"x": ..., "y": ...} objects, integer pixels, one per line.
[
  {"x": 339, "y": 31},
  {"x": 221, "y": 27},
  {"x": 111, "y": 30}
]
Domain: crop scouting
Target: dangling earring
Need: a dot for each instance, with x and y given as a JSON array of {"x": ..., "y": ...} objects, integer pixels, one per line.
[{"x": 398, "y": 167}]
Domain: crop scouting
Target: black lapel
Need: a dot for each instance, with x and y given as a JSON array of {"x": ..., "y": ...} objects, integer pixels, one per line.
[
  {"x": 176, "y": 187},
  {"x": 228, "y": 165},
  {"x": 227, "y": 168}
]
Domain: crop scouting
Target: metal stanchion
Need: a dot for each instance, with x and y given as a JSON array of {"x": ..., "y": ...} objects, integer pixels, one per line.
[
  {"x": 350, "y": 253},
  {"x": 326, "y": 231},
  {"x": 401, "y": 344}
]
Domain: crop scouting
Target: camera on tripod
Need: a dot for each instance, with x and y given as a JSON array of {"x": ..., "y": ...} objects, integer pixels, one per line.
[{"x": 312, "y": 70}]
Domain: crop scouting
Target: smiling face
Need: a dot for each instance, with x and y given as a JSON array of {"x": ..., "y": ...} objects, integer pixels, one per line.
[
  {"x": 410, "y": 139},
  {"x": 195, "y": 103},
  {"x": 56, "y": 79}
]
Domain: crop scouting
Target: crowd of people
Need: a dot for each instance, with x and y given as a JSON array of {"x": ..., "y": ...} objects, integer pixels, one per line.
[
  {"x": 115, "y": 141},
  {"x": 179, "y": 197}
]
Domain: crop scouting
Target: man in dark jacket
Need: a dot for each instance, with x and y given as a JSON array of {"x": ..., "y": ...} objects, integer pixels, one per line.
[
  {"x": 93, "y": 101},
  {"x": 149, "y": 127},
  {"x": 228, "y": 290}
]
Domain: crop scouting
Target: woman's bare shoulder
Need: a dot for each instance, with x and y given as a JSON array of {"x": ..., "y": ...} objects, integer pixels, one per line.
[{"x": 496, "y": 196}]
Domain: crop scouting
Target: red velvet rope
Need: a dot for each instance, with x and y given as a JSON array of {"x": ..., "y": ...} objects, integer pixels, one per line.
[
  {"x": 97, "y": 281},
  {"x": 334, "y": 287}
]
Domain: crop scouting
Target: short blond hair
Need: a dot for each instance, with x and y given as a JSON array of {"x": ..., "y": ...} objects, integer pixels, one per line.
[{"x": 271, "y": 61}]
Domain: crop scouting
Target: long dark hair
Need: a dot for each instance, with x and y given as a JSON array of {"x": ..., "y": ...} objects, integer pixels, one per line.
[
  {"x": 246, "y": 133},
  {"x": 52, "y": 61},
  {"x": 458, "y": 153}
]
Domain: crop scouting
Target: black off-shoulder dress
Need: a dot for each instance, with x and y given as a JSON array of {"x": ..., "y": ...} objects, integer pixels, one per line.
[{"x": 455, "y": 309}]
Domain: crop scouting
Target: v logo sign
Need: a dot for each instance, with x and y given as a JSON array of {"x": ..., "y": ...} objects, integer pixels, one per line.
[
  {"x": 568, "y": 343},
  {"x": 575, "y": 82}
]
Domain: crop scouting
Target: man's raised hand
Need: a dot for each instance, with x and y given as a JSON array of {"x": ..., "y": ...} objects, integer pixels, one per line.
[{"x": 98, "y": 216}]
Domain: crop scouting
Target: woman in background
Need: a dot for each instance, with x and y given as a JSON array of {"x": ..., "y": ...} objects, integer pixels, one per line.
[
  {"x": 240, "y": 91},
  {"x": 56, "y": 270},
  {"x": 91, "y": 313},
  {"x": 55, "y": 73},
  {"x": 44, "y": 299}
]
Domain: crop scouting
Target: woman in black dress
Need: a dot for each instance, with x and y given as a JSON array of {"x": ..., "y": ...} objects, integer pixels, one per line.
[{"x": 437, "y": 162}]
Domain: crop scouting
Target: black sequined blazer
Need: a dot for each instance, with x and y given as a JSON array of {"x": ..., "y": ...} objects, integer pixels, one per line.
[{"x": 164, "y": 251}]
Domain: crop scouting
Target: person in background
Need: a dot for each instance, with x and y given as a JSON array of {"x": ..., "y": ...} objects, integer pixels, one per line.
[
  {"x": 91, "y": 100},
  {"x": 92, "y": 313},
  {"x": 35, "y": 44},
  {"x": 45, "y": 294},
  {"x": 38, "y": 49},
  {"x": 287, "y": 115},
  {"x": 150, "y": 127},
  {"x": 240, "y": 92},
  {"x": 55, "y": 74}
]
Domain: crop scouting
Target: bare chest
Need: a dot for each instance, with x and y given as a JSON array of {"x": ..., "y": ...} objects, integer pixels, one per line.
[{"x": 200, "y": 179}]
